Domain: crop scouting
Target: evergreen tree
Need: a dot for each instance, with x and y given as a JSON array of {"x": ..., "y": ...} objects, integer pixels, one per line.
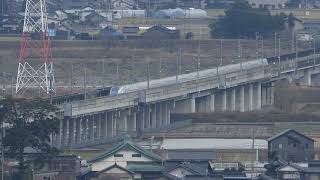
[
  {"x": 241, "y": 20},
  {"x": 29, "y": 125}
]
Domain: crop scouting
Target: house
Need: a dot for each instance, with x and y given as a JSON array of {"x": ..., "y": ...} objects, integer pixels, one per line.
[
  {"x": 311, "y": 25},
  {"x": 201, "y": 4},
  {"x": 130, "y": 32},
  {"x": 160, "y": 32},
  {"x": 293, "y": 171},
  {"x": 187, "y": 168},
  {"x": 128, "y": 159},
  {"x": 74, "y": 4},
  {"x": 115, "y": 171},
  {"x": 269, "y": 4},
  {"x": 291, "y": 146},
  {"x": 60, "y": 168},
  {"x": 123, "y": 4},
  {"x": 109, "y": 33}
]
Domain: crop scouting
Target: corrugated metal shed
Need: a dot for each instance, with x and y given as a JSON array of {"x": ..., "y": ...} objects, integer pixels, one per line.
[{"x": 213, "y": 143}]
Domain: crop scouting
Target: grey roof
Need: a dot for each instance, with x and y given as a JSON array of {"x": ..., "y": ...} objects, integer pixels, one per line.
[
  {"x": 202, "y": 177},
  {"x": 145, "y": 167},
  {"x": 303, "y": 169},
  {"x": 127, "y": 143},
  {"x": 116, "y": 166},
  {"x": 192, "y": 167},
  {"x": 286, "y": 132},
  {"x": 190, "y": 155},
  {"x": 212, "y": 143},
  {"x": 127, "y": 29}
]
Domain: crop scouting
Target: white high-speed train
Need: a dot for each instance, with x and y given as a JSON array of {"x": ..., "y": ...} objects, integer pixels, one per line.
[{"x": 188, "y": 77}]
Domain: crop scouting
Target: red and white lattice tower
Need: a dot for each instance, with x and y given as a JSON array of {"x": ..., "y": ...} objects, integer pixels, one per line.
[{"x": 35, "y": 64}]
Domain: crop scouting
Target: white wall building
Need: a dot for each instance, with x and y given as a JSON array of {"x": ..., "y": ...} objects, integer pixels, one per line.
[{"x": 269, "y": 4}]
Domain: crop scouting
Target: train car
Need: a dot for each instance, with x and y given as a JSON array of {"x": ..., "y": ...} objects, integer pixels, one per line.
[
  {"x": 192, "y": 76},
  {"x": 286, "y": 57}
]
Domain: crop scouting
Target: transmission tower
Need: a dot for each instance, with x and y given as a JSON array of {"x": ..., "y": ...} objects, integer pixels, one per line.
[{"x": 35, "y": 69}]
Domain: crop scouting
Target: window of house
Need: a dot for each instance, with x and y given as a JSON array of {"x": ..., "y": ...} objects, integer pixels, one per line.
[
  {"x": 118, "y": 155},
  {"x": 280, "y": 146},
  {"x": 136, "y": 155}
]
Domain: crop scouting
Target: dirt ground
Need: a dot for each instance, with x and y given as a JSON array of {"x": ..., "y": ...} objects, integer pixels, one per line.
[{"x": 104, "y": 63}]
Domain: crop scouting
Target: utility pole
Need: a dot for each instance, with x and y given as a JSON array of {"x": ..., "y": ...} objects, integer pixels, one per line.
[
  {"x": 85, "y": 83},
  {"x": 2, "y": 137},
  {"x": 262, "y": 47},
  {"x": 220, "y": 52},
  {"x": 180, "y": 61},
  {"x": 177, "y": 69},
  {"x": 103, "y": 72},
  {"x": 71, "y": 78},
  {"x": 117, "y": 73},
  {"x": 253, "y": 146},
  {"x": 293, "y": 41},
  {"x": 314, "y": 52},
  {"x": 198, "y": 63},
  {"x": 275, "y": 44},
  {"x": 279, "y": 56},
  {"x": 240, "y": 53},
  {"x": 160, "y": 67},
  {"x": 257, "y": 37},
  {"x": 148, "y": 75}
]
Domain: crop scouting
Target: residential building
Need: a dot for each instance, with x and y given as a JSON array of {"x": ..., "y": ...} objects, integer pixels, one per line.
[
  {"x": 160, "y": 32},
  {"x": 74, "y": 4},
  {"x": 123, "y": 4},
  {"x": 59, "y": 168},
  {"x": 311, "y": 25},
  {"x": 291, "y": 146},
  {"x": 293, "y": 171},
  {"x": 131, "y": 32},
  {"x": 269, "y": 4},
  {"x": 127, "y": 160},
  {"x": 183, "y": 169},
  {"x": 200, "y": 4}
]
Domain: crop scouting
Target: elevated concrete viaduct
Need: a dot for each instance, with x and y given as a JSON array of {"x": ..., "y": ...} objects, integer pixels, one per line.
[{"x": 105, "y": 119}]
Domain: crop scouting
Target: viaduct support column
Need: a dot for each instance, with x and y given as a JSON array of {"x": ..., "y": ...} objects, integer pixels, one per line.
[
  {"x": 307, "y": 77},
  {"x": 233, "y": 99},
  {"x": 242, "y": 107},
  {"x": 147, "y": 116},
  {"x": 78, "y": 129},
  {"x": 250, "y": 97},
  {"x": 192, "y": 105},
  {"x": 60, "y": 134},
  {"x": 154, "y": 116},
  {"x": 91, "y": 128},
  {"x": 258, "y": 105},
  {"x": 212, "y": 104},
  {"x": 85, "y": 128},
  {"x": 158, "y": 107},
  {"x": 224, "y": 100},
  {"x": 66, "y": 132},
  {"x": 104, "y": 124},
  {"x": 110, "y": 126}
]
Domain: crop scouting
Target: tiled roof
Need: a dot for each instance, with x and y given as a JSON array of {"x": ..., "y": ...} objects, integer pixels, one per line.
[
  {"x": 286, "y": 132},
  {"x": 145, "y": 167},
  {"x": 127, "y": 143},
  {"x": 117, "y": 166},
  {"x": 191, "y": 167}
]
